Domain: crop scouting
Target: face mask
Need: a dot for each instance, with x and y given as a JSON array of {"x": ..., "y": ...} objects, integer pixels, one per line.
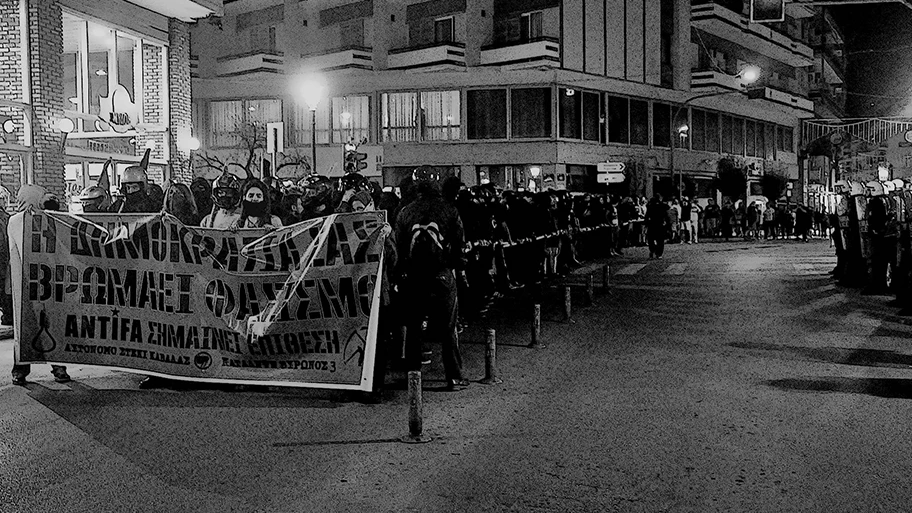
[
  {"x": 52, "y": 205},
  {"x": 226, "y": 200},
  {"x": 254, "y": 209}
]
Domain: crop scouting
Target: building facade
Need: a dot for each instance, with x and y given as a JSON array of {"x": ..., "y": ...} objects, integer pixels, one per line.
[
  {"x": 520, "y": 93},
  {"x": 83, "y": 82}
]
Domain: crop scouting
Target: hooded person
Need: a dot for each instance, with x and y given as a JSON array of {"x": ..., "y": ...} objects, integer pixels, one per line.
[
  {"x": 226, "y": 199},
  {"x": 97, "y": 198},
  {"x": 37, "y": 198},
  {"x": 318, "y": 197},
  {"x": 255, "y": 207},
  {"x": 362, "y": 201},
  {"x": 179, "y": 203},
  {"x": 202, "y": 196},
  {"x": 134, "y": 185}
]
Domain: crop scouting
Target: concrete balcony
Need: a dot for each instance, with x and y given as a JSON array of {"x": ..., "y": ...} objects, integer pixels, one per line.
[
  {"x": 260, "y": 61},
  {"x": 737, "y": 28},
  {"x": 352, "y": 58},
  {"x": 802, "y": 106},
  {"x": 540, "y": 52},
  {"x": 436, "y": 57},
  {"x": 711, "y": 80}
]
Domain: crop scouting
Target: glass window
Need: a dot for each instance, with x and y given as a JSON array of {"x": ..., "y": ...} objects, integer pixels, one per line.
[
  {"x": 737, "y": 136},
  {"x": 351, "y": 118},
  {"x": 260, "y": 112},
  {"x": 530, "y": 25},
  {"x": 661, "y": 125},
  {"x": 100, "y": 57},
  {"x": 486, "y": 110},
  {"x": 443, "y": 30},
  {"x": 303, "y": 121},
  {"x": 750, "y": 130},
  {"x": 618, "y": 120},
  {"x": 440, "y": 116},
  {"x": 530, "y": 112},
  {"x": 698, "y": 129},
  {"x": 788, "y": 139},
  {"x": 712, "y": 132},
  {"x": 399, "y": 113},
  {"x": 129, "y": 55},
  {"x": 639, "y": 122},
  {"x": 592, "y": 113},
  {"x": 770, "y": 141},
  {"x": 726, "y": 125},
  {"x": 74, "y": 48},
  {"x": 761, "y": 141},
  {"x": 569, "y": 113},
  {"x": 225, "y": 118}
]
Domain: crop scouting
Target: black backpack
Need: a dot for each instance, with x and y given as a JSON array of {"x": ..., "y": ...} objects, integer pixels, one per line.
[{"x": 427, "y": 250}]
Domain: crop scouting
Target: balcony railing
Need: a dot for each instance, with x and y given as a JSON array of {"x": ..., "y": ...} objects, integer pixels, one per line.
[
  {"x": 351, "y": 58},
  {"x": 259, "y": 61},
  {"x": 782, "y": 98},
  {"x": 434, "y": 57},
  {"x": 737, "y": 28},
  {"x": 543, "y": 51}
]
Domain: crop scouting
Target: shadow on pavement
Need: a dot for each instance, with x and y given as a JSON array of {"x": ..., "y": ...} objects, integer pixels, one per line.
[
  {"x": 891, "y": 388},
  {"x": 840, "y": 355}
]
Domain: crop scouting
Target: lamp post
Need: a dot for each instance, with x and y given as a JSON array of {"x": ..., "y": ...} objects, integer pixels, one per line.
[
  {"x": 312, "y": 92},
  {"x": 535, "y": 171},
  {"x": 346, "y": 121},
  {"x": 748, "y": 75}
]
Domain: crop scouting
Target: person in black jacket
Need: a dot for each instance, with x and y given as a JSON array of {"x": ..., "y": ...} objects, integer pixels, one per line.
[
  {"x": 656, "y": 226},
  {"x": 430, "y": 237}
]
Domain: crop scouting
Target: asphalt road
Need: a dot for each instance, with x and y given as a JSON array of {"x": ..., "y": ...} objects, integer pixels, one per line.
[{"x": 724, "y": 377}]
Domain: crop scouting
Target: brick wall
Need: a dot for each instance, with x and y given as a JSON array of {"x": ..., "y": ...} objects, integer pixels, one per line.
[
  {"x": 179, "y": 90},
  {"x": 46, "y": 49},
  {"x": 10, "y": 86},
  {"x": 153, "y": 108}
]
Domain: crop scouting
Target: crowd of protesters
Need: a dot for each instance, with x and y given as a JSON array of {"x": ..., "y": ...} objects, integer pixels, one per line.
[{"x": 451, "y": 249}]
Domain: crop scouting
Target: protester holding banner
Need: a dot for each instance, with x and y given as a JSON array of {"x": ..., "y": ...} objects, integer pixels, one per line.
[
  {"x": 29, "y": 197},
  {"x": 226, "y": 196},
  {"x": 256, "y": 209},
  {"x": 134, "y": 185},
  {"x": 430, "y": 238},
  {"x": 179, "y": 202}
]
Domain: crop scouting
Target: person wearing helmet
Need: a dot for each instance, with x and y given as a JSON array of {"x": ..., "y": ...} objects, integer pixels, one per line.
[
  {"x": 349, "y": 185},
  {"x": 202, "y": 196},
  {"x": 36, "y": 197},
  {"x": 430, "y": 240},
  {"x": 226, "y": 199},
  {"x": 134, "y": 186},
  {"x": 318, "y": 197},
  {"x": 95, "y": 199},
  {"x": 877, "y": 221}
]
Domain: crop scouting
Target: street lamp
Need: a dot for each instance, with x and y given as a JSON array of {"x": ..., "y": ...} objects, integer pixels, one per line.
[
  {"x": 312, "y": 93},
  {"x": 748, "y": 75}
]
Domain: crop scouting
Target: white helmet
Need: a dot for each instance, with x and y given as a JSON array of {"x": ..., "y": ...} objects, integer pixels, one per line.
[
  {"x": 898, "y": 184},
  {"x": 841, "y": 187},
  {"x": 874, "y": 188},
  {"x": 889, "y": 187}
]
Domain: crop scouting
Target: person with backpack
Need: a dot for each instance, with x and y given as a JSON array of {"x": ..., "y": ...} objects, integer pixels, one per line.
[{"x": 430, "y": 236}]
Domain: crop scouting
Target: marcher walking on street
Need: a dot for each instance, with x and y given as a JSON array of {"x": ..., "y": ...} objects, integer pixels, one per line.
[{"x": 656, "y": 226}]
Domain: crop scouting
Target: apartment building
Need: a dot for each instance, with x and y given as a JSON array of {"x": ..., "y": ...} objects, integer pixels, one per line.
[{"x": 520, "y": 93}]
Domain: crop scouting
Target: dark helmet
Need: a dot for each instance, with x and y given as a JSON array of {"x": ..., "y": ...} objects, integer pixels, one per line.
[
  {"x": 318, "y": 191},
  {"x": 425, "y": 174},
  {"x": 226, "y": 191},
  {"x": 354, "y": 181}
]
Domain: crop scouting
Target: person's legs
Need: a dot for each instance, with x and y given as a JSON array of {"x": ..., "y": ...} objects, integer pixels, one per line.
[
  {"x": 60, "y": 373},
  {"x": 20, "y": 372},
  {"x": 442, "y": 326}
]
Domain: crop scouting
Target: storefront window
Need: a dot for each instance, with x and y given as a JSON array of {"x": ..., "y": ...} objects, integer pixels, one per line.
[
  {"x": 698, "y": 130},
  {"x": 128, "y": 63},
  {"x": 530, "y": 112},
  {"x": 440, "y": 116},
  {"x": 486, "y": 110},
  {"x": 303, "y": 121},
  {"x": 399, "y": 112},
  {"x": 569, "y": 112},
  {"x": 639, "y": 122},
  {"x": 712, "y": 132},
  {"x": 101, "y": 48},
  {"x": 618, "y": 130},
  {"x": 661, "y": 125},
  {"x": 592, "y": 112},
  {"x": 74, "y": 44}
]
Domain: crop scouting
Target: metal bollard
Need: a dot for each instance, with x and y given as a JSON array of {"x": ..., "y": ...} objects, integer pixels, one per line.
[
  {"x": 536, "y": 327},
  {"x": 590, "y": 289},
  {"x": 567, "y": 304},
  {"x": 605, "y": 272},
  {"x": 415, "y": 420},
  {"x": 491, "y": 359}
]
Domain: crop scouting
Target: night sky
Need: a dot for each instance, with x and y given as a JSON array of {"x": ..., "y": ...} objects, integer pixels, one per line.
[{"x": 879, "y": 45}]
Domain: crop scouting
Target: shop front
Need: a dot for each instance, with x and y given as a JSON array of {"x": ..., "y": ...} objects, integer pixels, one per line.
[{"x": 101, "y": 80}]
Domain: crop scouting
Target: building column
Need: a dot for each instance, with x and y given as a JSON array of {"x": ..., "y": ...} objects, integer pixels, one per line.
[
  {"x": 179, "y": 83},
  {"x": 153, "y": 106},
  {"x": 680, "y": 55}
]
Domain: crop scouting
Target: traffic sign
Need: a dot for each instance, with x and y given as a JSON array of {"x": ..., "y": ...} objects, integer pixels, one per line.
[
  {"x": 610, "y": 177},
  {"x": 610, "y": 167}
]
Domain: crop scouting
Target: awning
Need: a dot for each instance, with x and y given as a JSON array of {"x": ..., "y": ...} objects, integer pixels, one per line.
[{"x": 186, "y": 10}]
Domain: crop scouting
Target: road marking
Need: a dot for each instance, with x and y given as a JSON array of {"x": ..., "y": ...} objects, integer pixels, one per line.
[
  {"x": 631, "y": 269},
  {"x": 676, "y": 269}
]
